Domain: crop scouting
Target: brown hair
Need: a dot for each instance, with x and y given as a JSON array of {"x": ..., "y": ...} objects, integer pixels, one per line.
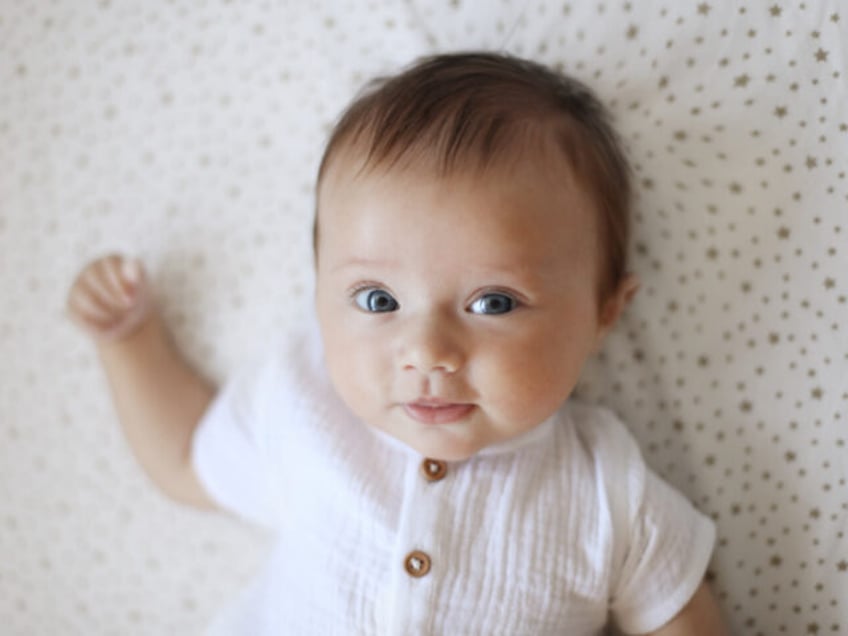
[{"x": 463, "y": 110}]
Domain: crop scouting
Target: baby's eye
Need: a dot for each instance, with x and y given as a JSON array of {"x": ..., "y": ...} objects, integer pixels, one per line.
[
  {"x": 375, "y": 300},
  {"x": 493, "y": 304}
]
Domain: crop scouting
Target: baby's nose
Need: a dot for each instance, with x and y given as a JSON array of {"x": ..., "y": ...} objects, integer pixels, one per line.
[{"x": 432, "y": 345}]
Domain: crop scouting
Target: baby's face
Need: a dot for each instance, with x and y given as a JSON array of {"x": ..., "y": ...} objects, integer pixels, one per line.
[{"x": 456, "y": 313}]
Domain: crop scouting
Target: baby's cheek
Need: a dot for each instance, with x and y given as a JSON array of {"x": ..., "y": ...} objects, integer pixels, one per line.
[
  {"x": 533, "y": 381},
  {"x": 354, "y": 375}
]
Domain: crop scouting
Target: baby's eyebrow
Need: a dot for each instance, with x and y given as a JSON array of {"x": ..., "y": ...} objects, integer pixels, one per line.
[{"x": 364, "y": 262}]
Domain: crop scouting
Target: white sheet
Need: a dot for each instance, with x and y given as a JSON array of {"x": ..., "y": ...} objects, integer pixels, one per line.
[{"x": 188, "y": 133}]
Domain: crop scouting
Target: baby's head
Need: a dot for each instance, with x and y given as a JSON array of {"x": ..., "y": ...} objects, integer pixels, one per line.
[{"x": 470, "y": 237}]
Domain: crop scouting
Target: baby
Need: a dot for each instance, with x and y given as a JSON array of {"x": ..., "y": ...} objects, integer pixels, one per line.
[{"x": 417, "y": 454}]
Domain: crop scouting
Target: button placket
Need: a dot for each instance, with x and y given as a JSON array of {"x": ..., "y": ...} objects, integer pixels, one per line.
[
  {"x": 418, "y": 563},
  {"x": 417, "y": 568}
]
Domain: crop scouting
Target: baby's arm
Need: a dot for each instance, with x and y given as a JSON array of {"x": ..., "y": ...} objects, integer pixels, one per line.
[
  {"x": 700, "y": 617},
  {"x": 159, "y": 397}
]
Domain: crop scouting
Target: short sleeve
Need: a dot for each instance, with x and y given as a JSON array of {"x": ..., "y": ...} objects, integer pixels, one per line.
[
  {"x": 230, "y": 444},
  {"x": 668, "y": 548}
]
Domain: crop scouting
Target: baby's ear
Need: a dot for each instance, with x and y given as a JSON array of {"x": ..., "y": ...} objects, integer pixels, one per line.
[{"x": 614, "y": 305}]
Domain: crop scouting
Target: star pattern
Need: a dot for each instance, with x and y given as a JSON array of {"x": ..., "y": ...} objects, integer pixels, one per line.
[{"x": 192, "y": 135}]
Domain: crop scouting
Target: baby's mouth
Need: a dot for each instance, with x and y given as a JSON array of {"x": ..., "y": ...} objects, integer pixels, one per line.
[{"x": 436, "y": 411}]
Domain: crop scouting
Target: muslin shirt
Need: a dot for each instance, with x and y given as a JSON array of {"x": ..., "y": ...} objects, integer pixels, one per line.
[{"x": 553, "y": 532}]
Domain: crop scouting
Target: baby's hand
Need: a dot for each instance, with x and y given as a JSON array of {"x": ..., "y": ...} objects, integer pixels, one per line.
[{"x": 110, "y": 298}]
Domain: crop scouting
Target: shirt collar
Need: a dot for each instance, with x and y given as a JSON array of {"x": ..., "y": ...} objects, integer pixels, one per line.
[{"x": 533, "y": 436}]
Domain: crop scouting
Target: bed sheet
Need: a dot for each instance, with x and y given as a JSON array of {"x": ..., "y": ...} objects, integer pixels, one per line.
[{"x": 188, "y": 133}]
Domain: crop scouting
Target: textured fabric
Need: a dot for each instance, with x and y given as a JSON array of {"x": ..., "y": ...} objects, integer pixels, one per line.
[{"x": 543, "y": 535}]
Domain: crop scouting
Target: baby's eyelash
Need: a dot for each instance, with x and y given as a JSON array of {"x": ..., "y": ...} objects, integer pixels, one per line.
[
  {"x": 518, "y": 297},
  {"x": 353, "y": 290}
]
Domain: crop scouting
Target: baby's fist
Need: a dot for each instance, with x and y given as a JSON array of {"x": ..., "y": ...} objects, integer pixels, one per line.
[{"x": 110, "y": 298}]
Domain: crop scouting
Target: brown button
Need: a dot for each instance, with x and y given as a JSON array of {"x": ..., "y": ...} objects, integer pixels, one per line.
[
  {"x": 434, "y": 469},
  {"x": 417, "y": 564}
]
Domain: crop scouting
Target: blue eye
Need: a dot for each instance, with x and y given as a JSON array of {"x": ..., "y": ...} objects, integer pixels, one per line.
[
  {"x": 493, "y": 304},
  {"x": 376, "y": 301}
]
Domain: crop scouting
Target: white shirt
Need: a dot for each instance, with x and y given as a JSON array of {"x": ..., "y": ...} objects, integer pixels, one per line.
[{"x": 545, "y": 534}]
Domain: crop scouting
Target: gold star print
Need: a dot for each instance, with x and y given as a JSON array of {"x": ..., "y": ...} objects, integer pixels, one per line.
[
  {"x": 704, "y": 8},
  {"x": 811, "y": 162},
  {"x": 742, "y": 80},
  {"x": 783, "y": 232},
  {"x": 632, "y": 32},
  {"x": 842, "y": 566},
  {"x": 821, "y": 55},
  {"x": 829, "y": 283},
  {"x": 834, "y": 17},
  {"x": 776, "y": 11},
  {"x": 780, "y": 112}
]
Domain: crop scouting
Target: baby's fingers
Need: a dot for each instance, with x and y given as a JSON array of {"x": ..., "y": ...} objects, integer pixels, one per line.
[
  {"x": 106, "y": 279},
  {"x": 132, "y": 273},
  {"x": 90, "y": 313},
  {"x": 110, "y": 297}
]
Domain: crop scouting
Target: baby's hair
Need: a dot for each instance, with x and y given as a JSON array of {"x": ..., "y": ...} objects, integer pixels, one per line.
[{"x": 465, "y": 111}]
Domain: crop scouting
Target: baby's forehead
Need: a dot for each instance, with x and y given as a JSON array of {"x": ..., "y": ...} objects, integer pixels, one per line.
[{"x": 516, "y": 196}]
